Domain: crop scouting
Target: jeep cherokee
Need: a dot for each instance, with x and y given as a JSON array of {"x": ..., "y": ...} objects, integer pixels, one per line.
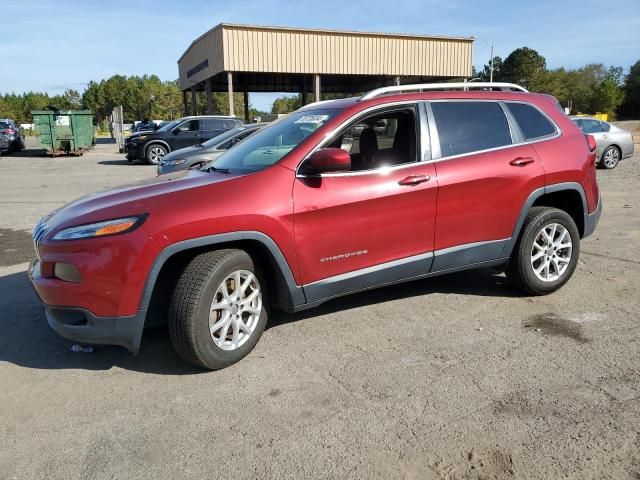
[{"x": 340, "y": 196}]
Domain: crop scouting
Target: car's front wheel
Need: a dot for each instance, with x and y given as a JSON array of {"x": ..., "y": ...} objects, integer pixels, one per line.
[
  {"x": 610, "y": 158},
  {"x": 217, "y": 312},
  {"x": 155, "y": 153},
  {"x": 546, "y": 253}
]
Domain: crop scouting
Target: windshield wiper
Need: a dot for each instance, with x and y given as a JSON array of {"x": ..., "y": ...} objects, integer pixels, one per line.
[{"x": 219, "y": 170}]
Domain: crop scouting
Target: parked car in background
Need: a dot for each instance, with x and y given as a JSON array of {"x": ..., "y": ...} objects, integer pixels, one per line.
[
  {"x": 146, "y": 126},
  {"x": 13, "y": 132},
  {"x": 614, "y": 143},
  {"x": 4, "y": 143},
  {"x": 184, "y": 132},
  {"x": 287, "y": 219},
  {"x": 197, "y": 155}
]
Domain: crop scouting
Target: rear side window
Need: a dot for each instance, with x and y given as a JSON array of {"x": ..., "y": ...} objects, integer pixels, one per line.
[
  {"x": 605, "y": 126},
  {"x": 465, "y": 127},
  {"x": 229, "y": 124},
  {"x": 591, "y": 126},
  {"x": 533, "y": 124},
  {"x": 208, "y": 124}
]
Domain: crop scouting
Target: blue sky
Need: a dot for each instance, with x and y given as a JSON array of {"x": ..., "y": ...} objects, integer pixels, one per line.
[{"x": 51, "y": 45}]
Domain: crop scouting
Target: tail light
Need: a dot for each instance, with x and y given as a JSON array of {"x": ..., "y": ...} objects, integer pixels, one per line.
[
  {"x": 591, "y": 141},
  {"x": 8, "y": 131}
]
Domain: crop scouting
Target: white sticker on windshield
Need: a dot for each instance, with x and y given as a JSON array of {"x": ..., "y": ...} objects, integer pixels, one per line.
[{"x": 312, "y": 119}]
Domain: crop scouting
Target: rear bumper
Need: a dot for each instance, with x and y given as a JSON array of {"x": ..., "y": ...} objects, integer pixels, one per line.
[
  {"x": 591, "y": 220},
  {"x": 80, "y": 325}
]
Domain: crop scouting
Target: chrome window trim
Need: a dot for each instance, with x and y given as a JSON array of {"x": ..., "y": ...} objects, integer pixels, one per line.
[
  {"x": 435, "y": 140},
  {"x": 381, "y": 170},
  {"x": 517, "y": 136}
]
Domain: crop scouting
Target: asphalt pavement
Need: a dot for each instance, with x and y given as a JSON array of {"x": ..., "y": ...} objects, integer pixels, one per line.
[{"x": 451, "y": 377}]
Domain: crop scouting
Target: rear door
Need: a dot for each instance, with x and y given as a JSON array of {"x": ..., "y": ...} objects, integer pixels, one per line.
[
  {"x": 210, "y": 128},
  {"x": 485, "y": 173},
  {"x": 595, "y": 128}
]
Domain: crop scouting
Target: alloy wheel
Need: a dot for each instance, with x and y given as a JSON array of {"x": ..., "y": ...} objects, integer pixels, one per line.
[
  {"x": 156, "y": 154},
  {"x": 235, "y": 310},
  {"x": 611, "y": 157},
  {"x": 551, "y": 252}
]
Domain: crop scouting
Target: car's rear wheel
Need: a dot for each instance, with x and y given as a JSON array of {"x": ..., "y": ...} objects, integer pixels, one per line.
[
  {"x": 610, "y": 158},
  {"x": 546, "y": 253},
  {"x": 155, "y": 153},
  {"x": 217, "y": 312}
]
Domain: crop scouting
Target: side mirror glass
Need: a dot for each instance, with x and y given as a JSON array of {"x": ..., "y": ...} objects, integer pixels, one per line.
[{"x": 328, "y": 160}]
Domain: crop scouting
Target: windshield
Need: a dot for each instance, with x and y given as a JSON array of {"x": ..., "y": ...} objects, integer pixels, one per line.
[
  {"x": 265, "y": 147},
  {"x": 223, "y": 137},
  {"x": 168, "y": 126}
]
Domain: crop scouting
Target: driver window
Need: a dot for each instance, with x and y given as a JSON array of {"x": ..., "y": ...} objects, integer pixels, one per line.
[{"x": 383, "y": 139}]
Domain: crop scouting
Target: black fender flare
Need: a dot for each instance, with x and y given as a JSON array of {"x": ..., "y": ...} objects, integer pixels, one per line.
[
  {"x": 295, "y": 292},
  {"x": 558, "y": 187},
  {"x": 156, "y": 140}
]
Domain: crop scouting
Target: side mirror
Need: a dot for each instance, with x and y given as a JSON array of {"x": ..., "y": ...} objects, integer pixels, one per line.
[{"x": 328, "y": 160}]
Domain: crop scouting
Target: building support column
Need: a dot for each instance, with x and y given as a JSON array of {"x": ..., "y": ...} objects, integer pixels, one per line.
[
  {"x": 303, "y": 91},
  {"x": 396, "y": 81},
  {"x": 230, "y": 92},
  {"x": 185, "y": 105},
  {"x": 194, "y": 105},
  {"x": 246, "y": 105},
  {"x": 316, "y": 88},
  {"x": 207, "y": 89}
]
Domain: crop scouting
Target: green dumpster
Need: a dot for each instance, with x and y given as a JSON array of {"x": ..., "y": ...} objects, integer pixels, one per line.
[{"x": 69, "y": 131}]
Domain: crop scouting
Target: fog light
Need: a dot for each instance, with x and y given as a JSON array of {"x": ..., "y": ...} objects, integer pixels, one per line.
[{"x": 67, "y": 272}]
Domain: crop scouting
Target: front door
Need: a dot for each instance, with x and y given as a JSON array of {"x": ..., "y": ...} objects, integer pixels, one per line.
[
  {"x": 375, "y": 223},
  {"x": 185, "y": 135}
]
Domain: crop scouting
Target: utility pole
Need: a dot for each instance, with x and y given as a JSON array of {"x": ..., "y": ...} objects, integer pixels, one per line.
[{"x": 491, "y": 61}]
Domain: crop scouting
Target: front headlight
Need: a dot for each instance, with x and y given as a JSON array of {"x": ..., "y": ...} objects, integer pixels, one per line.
[
  {"x": 171, "y": 163},
  {"x": 101, "y": 229}
]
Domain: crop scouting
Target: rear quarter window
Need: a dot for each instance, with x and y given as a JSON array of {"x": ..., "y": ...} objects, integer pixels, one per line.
[
  {"x": 468, "y": 126},
  {"x": 533, "y": 124}
]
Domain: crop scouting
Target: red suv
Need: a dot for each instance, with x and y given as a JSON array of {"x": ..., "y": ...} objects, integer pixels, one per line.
[{"x": 340, "y": 196}]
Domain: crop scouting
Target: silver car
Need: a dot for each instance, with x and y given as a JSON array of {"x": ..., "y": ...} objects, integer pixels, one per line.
[
  {"x": 197, "y": 155},
  {"x": 614, "y": 143}
]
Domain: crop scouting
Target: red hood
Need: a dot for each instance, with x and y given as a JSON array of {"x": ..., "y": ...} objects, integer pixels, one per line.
[{"x": 135, "y": 198}]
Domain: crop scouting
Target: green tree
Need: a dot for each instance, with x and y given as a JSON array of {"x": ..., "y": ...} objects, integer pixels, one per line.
[
  {"x": 525, "y": 67},
  {"x": 485, "y": 74},
  {"x": 630, "y": 106}
]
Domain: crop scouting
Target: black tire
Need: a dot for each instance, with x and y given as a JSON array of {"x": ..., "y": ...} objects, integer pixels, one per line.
[
  {"x": 191, "y": 303},
  {"x": 152, "y": 153},
  {"x": 612, "y": 164},
  {"x": 520, "y": 269}
]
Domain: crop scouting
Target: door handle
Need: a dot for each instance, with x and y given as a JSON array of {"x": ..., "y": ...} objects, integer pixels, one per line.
[
  {"x": 521, "y": 161},
  {"x": 414, "y": 180}
]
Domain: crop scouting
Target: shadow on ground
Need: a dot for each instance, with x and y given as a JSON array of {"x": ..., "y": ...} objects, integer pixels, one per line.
[
  {"x": 27, "y": 341},
  {"x": 27, "y": 152},
  {"x": 116, "y": 162}
]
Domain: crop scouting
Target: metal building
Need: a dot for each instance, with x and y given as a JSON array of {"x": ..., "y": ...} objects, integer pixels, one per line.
[{"x": 251, "y": 58}]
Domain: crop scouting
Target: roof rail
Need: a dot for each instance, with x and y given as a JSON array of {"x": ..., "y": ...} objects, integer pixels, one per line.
[{"x": 443, "y": 86}]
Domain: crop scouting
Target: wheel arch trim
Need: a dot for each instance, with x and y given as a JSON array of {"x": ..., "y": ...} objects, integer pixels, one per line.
[
  {"x": 150, "y": 143},
  {"x": 296, "y": 293},
  {"x": 536, "y": 194}
]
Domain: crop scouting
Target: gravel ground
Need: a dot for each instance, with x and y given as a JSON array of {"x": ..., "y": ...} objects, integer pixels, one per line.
[{"x": 451, "y": 377}]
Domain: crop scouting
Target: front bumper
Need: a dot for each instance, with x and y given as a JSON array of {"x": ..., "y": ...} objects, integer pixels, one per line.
[
  {"x": 134, "y": 151},
  {"x": 591, "y": 220},
  {"x": 80, "y": 325}
]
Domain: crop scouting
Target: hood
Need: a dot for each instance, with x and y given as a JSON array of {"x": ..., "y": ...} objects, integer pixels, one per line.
[
  {"x": 132, "y": 199},
  {"x": 186, "y": 152}
]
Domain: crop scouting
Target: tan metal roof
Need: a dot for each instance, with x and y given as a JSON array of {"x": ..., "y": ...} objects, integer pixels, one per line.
[{"x": 249, "y": 48}]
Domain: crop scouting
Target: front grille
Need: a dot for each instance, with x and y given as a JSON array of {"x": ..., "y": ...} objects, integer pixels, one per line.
[{"x": 38, "y": 233}]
